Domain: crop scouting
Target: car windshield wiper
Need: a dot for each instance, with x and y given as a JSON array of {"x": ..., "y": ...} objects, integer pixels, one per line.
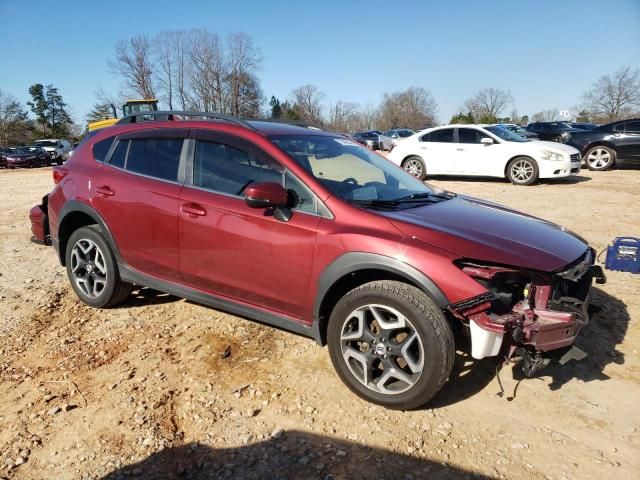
[{"x": 413, "y": 199}]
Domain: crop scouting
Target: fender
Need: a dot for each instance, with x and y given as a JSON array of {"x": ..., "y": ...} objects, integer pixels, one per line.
[
  {"x": 354, "y": 261},
  {"x": 73, "y": 206}
]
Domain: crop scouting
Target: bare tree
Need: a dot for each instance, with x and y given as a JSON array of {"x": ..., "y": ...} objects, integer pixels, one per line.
[
  {"x": 546, "y": 115},
  {"x": 344, "y": 116},
  {"x": 488, "y": 103},
  {"x": 133, "y": 62},
  {"x": 165, "y": 58},
  {"x": 613, "y": 97},
  {"x": 243, "y": 62},
  {"x": 14, "y": 124},
  {"x": 309, "y": 101},
  {"x": 414, "y": 107},
  {"x": 206, "y": 71}
]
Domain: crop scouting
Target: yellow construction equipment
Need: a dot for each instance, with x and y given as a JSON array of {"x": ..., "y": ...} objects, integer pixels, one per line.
[{"x": 129, "y": 107}]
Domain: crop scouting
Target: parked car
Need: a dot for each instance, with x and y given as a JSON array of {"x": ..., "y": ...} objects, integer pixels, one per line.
[
  {"x": 583, "y": 125},
  {"x": 3, "y": 156},
  {"x": 554, "y": 131},
  {"x": 374, "y": 139},
  {"x": 517, "y": 129},
  {"x": 312, "y": 232},
  {"x": 59, "y": 150},
  {"x": 32, "y": 156},
  {"x": 608, "y": 145},
  {"x": 398, "y": 134},
  {"x": 474, "y": 150}
]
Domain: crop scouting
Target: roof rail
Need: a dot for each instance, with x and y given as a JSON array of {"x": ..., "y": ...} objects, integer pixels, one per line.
[
  {"x": 295, "y": 123},
  {"x": 170, "y": 114}
]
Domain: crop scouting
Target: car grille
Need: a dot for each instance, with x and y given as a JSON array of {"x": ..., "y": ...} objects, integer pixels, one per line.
[{"x": 575, "y": 157}]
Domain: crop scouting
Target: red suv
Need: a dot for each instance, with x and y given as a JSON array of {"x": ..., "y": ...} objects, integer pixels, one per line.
[{"x": 311, "y": 232}]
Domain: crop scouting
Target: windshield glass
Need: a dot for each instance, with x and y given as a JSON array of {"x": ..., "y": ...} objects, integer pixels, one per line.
[
  {"x": 405, "y": 133},
  {"x": 47, "y": 143},
  {"x": 349, "y": 170},
  {"x": 505, "y": 134}
]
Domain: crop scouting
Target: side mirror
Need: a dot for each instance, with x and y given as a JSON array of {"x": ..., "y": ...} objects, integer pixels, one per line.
[
  {"x": 266, "y": 195},
  {"x": 486, "y": 141}
]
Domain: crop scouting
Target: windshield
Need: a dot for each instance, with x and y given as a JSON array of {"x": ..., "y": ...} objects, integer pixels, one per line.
[
  {"x": 349, "y": 170},
  {"x": 405, "y": 133},
  {"x": 505, "y": 134},
  {"x": 47, "y": 143}
]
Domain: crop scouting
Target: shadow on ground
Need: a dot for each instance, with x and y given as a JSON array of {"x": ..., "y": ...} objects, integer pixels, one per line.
[
  {"x": 295, "y": 455},
  {"x": 607, "y": 328},
  {"x": 573, "y": 179},
  {"x": 147, "y": 296}
]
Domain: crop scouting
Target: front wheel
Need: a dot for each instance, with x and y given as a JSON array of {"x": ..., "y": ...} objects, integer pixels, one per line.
[
  {"x": 600, "y": 158},
  {"x": 390, "y": 344},
  {"x": 92, "y": 269},
  {"x": 522, "y": 171},
  {"x": 415, "y": 166}
]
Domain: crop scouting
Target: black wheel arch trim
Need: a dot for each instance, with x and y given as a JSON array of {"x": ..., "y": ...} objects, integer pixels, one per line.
[
  {"x": 74, "y": 206},
  {"x": 353, "y": 262}
]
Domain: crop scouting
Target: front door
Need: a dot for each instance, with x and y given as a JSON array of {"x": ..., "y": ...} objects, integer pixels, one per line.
[{"x": 238, "y": 252}]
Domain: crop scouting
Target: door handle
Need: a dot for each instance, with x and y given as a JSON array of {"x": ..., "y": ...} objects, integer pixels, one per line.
[
  {"x": 193, "y": 209},
  {"x": 105, "y": 190}
]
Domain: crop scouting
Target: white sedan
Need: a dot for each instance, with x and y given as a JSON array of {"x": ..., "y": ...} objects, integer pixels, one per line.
[{"x": 491, "y": 151}]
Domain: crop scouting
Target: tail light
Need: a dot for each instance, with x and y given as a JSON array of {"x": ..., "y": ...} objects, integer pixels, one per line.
[{"x": 59, "y": 173}]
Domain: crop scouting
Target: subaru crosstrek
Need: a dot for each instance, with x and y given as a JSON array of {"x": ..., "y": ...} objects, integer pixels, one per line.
[{"x": 314, "y": 233}]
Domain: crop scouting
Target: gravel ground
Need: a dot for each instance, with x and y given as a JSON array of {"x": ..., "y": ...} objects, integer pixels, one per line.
[{"x": 143, "y": 391}]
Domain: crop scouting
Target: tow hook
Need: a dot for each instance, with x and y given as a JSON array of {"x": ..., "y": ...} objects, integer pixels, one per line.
[{"x": 531, "y": 363}]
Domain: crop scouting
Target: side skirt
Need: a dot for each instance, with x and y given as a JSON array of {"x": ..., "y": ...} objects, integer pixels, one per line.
[{"x": 285, "y": 323}]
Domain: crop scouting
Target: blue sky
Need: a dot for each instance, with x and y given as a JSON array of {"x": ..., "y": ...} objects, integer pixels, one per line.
[{"x": 546, "y": 52}]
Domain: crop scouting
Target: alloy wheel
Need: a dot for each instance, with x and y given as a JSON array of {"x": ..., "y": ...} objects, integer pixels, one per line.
[
  {"x": 88, "y": 268},
  {"x": 599, "y": 158},
  {"x": 522, "y": 171},
  {"x": 382, "y": 349},
  {"x": 414, "y": 167}
]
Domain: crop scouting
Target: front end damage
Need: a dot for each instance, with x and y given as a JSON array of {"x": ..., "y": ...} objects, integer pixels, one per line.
[{"x": 526, "y": 313}]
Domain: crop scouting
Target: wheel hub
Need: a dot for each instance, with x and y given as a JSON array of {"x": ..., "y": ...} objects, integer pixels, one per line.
[{"x": 380, "y": 349}]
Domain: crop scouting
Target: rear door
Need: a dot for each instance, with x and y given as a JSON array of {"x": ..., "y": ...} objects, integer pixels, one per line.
[
  {"x": 438, "y": 150},
  {"x": 234, "y": 251},
  {"x": 137, "y": 192},
  {"x": 628, "y": 142}
]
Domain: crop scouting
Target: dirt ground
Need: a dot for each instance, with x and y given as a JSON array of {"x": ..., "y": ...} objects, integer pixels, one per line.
[{"x": 143, "y": 391}]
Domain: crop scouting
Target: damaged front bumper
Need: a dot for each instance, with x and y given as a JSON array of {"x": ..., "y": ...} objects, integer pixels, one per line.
[{"x": 527, "y": 314}]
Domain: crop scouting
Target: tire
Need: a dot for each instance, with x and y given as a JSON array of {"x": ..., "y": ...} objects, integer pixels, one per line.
[
  {"x": 92, "y": 269},
  {"x": 522, "y": 171},
  {"x": 557, "y": 139},
  {"x": 600, "y": 158},
  {"x": 424, "y": 360},
  {"x": 415, "y": 166}
]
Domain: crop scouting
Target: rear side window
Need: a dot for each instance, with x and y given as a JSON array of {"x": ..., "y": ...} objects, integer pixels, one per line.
[
  {"x": 442, "y": 136},
  {"x": 155, "y": 157},
  {"x": 101, "y": 148},
  {"x": 119, "y": 154}
]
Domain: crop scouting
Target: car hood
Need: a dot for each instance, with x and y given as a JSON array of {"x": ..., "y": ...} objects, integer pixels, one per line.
[
  {"x": 553, "y": 146},
  {"x": 481, "y": 230},
  {"x": 20, "y": 156},
  {"x": 50, "y": 149}
]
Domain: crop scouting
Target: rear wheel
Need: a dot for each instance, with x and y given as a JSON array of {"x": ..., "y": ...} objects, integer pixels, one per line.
[
  {"x": 415, "y": 166},
  {"x": 390, "y": 344},
  {"x": 600, "y": 158},
  {"x": 522, "y": 171},
  {"x": 557, "y": 139},
  {"x": 92, "y": 269}
]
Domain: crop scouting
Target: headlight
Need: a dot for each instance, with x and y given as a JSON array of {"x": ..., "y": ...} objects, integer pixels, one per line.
[{"x": 549, "y": 155}]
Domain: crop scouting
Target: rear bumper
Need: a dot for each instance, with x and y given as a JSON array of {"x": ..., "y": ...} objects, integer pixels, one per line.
[{"x": 38, "y": 215}]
